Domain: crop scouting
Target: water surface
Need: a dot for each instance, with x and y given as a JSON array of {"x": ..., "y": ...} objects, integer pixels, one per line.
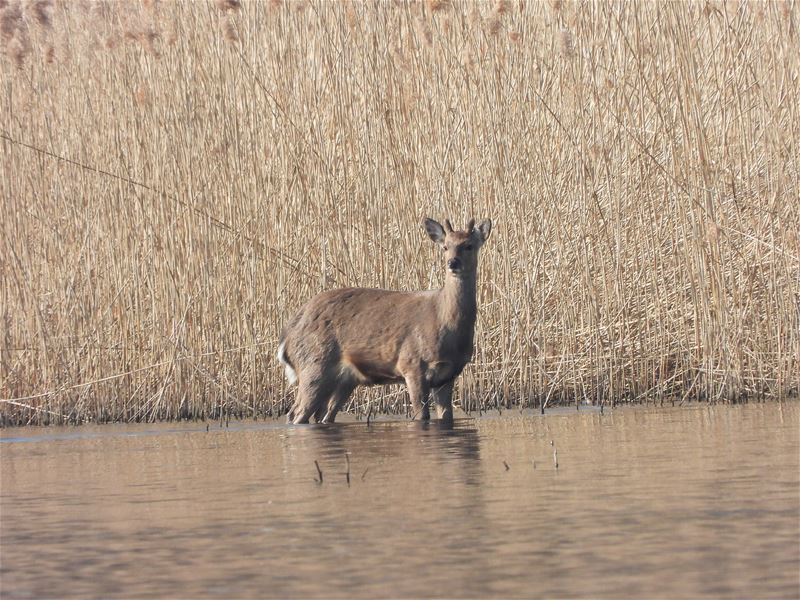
[{"x": 657, "y": 503}]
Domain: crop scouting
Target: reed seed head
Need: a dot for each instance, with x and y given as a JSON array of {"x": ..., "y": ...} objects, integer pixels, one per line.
[
  {"x": 229, "y": 30},
  {"x": 567, "y": 43},
  {"x": 228, "y": 5},
  {"x": 435, "y": 6},
  {"x": 10, "y": 21},
  {"x": 494, "y": 24},
  {"x": 502, "y": 7},
  {"x": 39, "y": 11}
]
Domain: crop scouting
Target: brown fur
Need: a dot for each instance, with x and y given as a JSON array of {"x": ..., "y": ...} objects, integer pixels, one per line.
[{"x": 355, "y": 336}]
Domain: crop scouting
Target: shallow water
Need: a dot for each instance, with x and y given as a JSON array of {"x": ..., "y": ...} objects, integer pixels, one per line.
[{"x": 657, "y": 503}]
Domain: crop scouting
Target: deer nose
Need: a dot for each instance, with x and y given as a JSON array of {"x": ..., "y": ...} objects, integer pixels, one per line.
[{"x": 454, "y": 264}]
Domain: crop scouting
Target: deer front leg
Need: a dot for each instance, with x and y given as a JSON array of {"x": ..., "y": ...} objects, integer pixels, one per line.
[
  {"x": 418, "y": 390},
  {"x": 443, "y": 397}
]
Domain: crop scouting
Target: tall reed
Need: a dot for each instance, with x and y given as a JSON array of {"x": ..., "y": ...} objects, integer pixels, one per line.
[{"x": 177, "y": 178}]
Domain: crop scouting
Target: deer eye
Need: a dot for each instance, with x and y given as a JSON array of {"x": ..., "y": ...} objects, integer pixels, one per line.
[{"x": 445, "y": 248}]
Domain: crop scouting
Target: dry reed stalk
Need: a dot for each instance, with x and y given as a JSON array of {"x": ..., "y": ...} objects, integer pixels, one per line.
[{"x": 164, "y": 217}]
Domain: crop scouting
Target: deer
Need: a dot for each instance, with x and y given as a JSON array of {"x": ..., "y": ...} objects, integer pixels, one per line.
[{"x": 347, "y": 337}]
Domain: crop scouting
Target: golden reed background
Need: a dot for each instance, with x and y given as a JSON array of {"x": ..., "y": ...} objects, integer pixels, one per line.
[{"x": 177, "y": 178}]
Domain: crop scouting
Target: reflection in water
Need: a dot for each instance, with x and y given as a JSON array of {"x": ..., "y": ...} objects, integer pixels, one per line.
[{"x": 665, "y": 503}]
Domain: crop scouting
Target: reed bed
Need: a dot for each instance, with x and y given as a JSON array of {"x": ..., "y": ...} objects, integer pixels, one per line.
[{"x": 178, "y": 178}]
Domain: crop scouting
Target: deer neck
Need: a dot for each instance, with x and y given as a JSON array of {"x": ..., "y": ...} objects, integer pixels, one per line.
[{"x": 458, "y": 305}]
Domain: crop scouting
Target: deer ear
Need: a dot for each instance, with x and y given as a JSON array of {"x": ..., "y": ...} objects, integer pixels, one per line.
[
  {"x": 435, "y": 231},
  {"x": 484, "y": 228}
]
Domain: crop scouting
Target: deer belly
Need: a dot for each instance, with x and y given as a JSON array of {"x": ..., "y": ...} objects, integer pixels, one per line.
[{"x": 371, "y": 370}]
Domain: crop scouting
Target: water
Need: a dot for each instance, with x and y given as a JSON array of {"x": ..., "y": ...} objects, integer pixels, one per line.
[{"x": 657, "y": 503}]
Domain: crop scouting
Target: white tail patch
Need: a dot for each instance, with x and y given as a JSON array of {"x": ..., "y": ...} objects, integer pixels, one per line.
[{"x": 291, "y": 375}]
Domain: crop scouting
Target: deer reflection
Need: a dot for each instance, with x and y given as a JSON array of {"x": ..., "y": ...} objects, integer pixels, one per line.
[
  {"x": 409, "y": 482},
  {"x": 401, "y": 449}
]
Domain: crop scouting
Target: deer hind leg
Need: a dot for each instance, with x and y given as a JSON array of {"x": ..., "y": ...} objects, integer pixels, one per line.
[
  {"x": 312, "y": 395},
  {"x": 338, "y": 399},
  {"x": 319, "y": 414},
  {"x": 442, "y": 396}
]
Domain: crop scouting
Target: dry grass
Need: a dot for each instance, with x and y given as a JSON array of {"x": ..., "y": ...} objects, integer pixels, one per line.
[{"x": 178, "y": 178}]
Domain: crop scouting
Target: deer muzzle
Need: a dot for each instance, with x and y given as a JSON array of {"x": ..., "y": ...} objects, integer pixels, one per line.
[{"x": 454, "y": 264}]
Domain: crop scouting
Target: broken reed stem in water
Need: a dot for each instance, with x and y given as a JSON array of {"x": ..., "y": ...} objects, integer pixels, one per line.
[
  {"x": 150, "y": 271},
  {"x": 319, "y": 472}
]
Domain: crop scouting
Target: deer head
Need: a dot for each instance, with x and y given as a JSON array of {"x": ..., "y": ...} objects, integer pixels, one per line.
[{"x": 460, "y": 247}]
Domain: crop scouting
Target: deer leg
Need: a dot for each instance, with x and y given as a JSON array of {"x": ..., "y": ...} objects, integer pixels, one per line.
[
  {"x": 322, "y": 408},
  {"x": 443, "y": 397},
  {"x": 307, "y": 408},
  {"x": 301, "y": 412},
  {"x": 296, "y": 408},
  {"x": 418, "y": 390},
  {"x": 340, "y": 396},
  {"x": 311, "y": 397}
]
